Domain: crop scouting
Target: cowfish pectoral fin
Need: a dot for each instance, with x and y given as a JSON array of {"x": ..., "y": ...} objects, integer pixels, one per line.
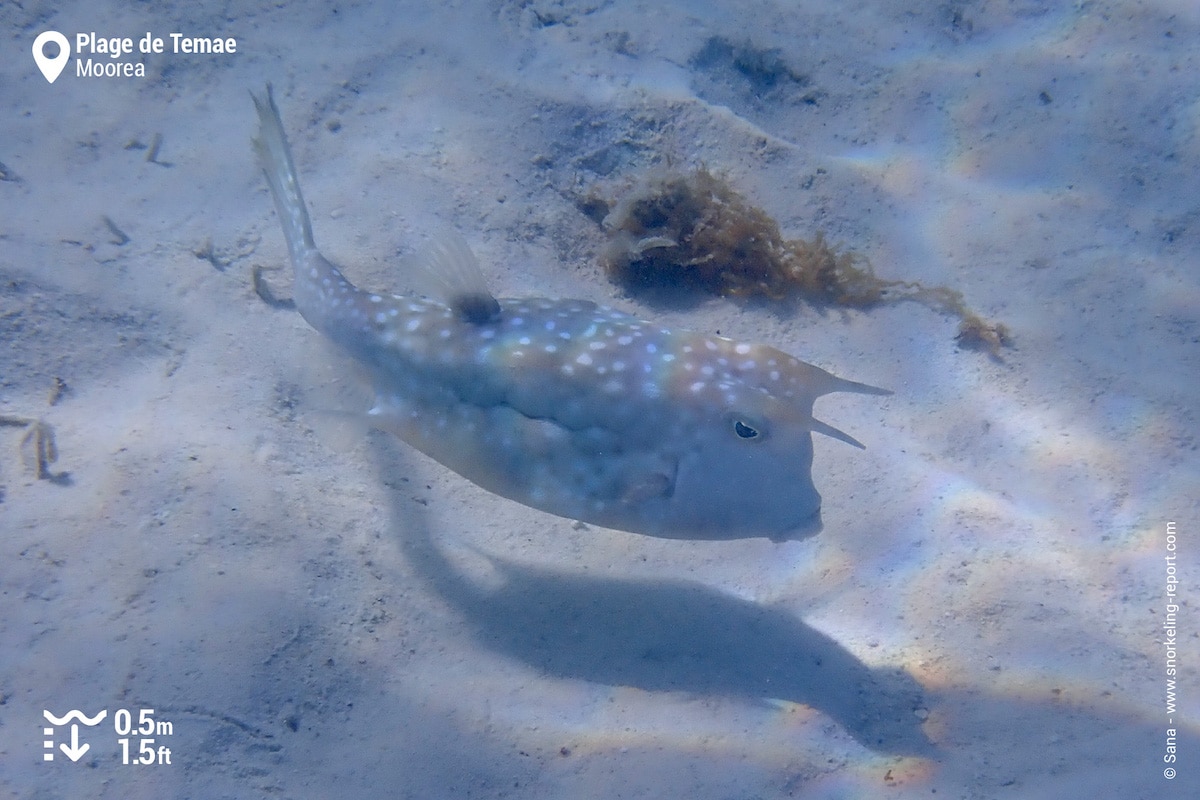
[{"x": 340, "y": 430}]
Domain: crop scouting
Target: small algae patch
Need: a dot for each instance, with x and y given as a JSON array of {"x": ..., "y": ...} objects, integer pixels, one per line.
[{"x": 693, "y": 231}]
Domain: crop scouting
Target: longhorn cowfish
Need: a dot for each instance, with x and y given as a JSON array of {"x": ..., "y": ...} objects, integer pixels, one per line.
[{"x": 566, "y": 406}]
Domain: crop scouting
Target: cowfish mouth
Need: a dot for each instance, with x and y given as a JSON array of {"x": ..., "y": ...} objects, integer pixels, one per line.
[{"x": 806, "y": 529}]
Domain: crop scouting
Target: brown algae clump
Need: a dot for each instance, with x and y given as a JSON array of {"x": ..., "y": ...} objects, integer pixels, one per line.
[{"x": 694, "y": 231}]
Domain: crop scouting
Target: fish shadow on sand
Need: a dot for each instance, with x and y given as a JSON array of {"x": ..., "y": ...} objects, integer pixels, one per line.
[{"x": 674, "y": 636}]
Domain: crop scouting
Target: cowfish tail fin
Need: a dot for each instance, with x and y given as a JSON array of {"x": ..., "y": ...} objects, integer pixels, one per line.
[{"x": 275, "y": 158}]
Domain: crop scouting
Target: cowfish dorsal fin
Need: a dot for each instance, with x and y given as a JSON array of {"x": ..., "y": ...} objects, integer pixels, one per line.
[{"x": 448, "y": 271}]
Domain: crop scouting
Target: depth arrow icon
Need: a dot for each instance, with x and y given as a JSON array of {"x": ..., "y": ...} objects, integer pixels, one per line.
[{"x": 76, "y": 750}]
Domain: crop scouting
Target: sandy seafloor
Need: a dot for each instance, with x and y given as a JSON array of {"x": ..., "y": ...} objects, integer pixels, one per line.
[{"x": 320, "y": 612}]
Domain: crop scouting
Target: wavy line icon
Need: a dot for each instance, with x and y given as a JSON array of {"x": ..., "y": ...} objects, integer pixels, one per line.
[{"x": 74, "y": 714}]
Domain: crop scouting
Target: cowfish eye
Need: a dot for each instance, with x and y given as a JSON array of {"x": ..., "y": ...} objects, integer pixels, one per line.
[{"x": 744, "y": 431}]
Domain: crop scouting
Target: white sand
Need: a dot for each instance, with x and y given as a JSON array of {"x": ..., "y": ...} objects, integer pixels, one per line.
[{"x": 327, "y": 616}]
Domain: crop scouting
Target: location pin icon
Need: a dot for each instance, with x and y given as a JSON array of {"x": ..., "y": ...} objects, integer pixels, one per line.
[{"x": 51, "y": 67}]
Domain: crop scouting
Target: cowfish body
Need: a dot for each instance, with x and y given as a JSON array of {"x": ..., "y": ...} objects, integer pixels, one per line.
[{"x": 572, "y": 408}]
